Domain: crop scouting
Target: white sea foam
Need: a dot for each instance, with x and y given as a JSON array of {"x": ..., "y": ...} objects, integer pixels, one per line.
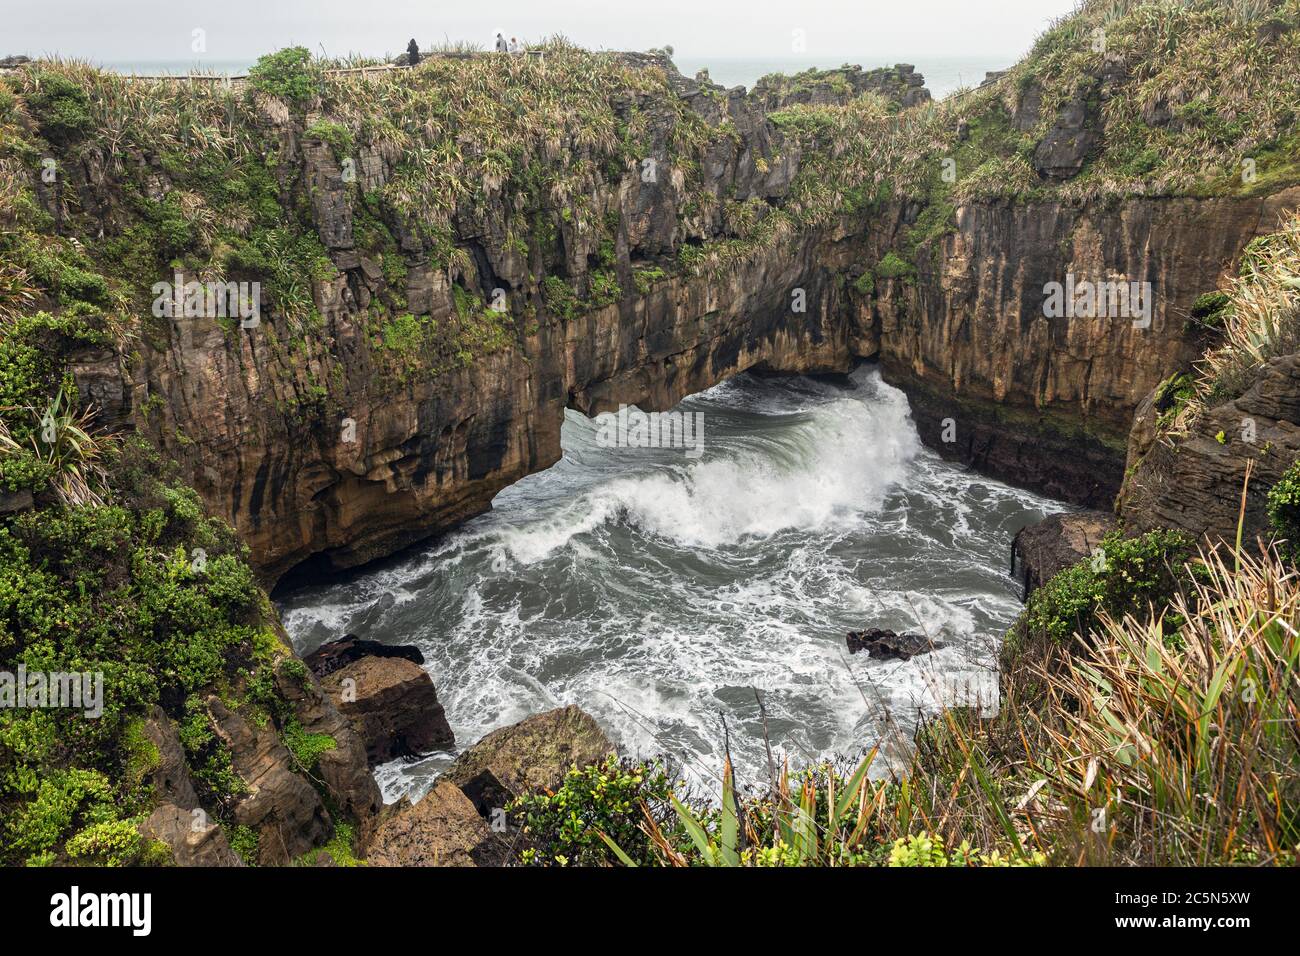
[{"x": 660, "y": 593}]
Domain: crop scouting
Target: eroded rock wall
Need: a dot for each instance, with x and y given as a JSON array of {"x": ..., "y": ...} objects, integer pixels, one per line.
[
  {"x": 317, "y": 442},
  {"x": 1047, "y": 402}
]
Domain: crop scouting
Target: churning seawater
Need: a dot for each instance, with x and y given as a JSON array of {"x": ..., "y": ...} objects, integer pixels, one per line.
[{"x": 659, "y": 592}]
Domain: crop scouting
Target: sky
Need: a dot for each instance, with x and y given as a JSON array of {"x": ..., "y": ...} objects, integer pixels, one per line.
[{"x": 107, "y": 31}]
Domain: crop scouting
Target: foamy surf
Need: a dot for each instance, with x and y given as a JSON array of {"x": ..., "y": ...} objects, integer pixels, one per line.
[{"x": 660, "y": 593}]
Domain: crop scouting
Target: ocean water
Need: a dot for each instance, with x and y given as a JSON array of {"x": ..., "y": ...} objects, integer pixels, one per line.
[
  {"x": 943, "y": 74},
  {"x": 667, "y": 594}
]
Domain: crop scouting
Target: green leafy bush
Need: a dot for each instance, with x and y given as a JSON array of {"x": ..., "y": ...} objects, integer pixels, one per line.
[
  {"x": 563, "y": 828},
  {"x": 1284, "y": 511},
  {"x": 157, "y": 598},
  {"x": 1124, "y": 576},
  {"x": 926, "y": 850},
  {"x": 117, "y": 843},
  {"x": 894, "y": 266},
  {"x": 289, "y": 74},
  {"x": 61, "y": 106}
]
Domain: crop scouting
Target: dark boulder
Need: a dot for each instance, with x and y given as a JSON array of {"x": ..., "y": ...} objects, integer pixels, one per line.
[
  {"x": 890, "y": 646},
  {"x": 330, "y": 657}
]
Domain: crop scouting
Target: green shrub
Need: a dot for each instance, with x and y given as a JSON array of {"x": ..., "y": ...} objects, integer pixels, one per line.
[
  {"x": 894, "y": 266},
  {"x": 61, "y": 106},
  {"x": 560, "y": 298},
  {"x": 1124, "y": 576},
  {"x": 1209, "y": 307},
  {"x": 644, "y": 278},
  {"x": 117, "y": 843},
  {"x": 244, "y": 840},
  {"x": 120, "y": 590},
  {"x": 337, "y": 136},
  {"x": 1284, "y": 512},
  {"x": 306, "y": 748},
  {"x": 563, "y": 828},
  {"x": 289, "y": 74},
  {"x": 925, "y": 850}
]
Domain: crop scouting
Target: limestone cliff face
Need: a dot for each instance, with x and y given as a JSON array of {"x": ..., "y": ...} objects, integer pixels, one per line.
[
  {"x": 317, "y": 444},
  {"x": 1194, "y": 482},
  {"x": 1047, "y": 402}
]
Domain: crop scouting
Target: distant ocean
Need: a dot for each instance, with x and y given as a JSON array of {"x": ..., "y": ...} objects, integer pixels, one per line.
[{"x": 943, "y": 74}]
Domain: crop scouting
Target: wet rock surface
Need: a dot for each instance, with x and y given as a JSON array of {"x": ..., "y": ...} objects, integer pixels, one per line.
[{"x": 890, "y": 646}]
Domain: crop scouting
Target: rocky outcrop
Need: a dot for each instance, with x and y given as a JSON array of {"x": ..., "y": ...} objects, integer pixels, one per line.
[
  {"x": 279, "y": 805},
  {"x": 343, "y": 769},
  {"x": 442, "y": 829},
  {"x": 900, "y": 83},
  {"x": 1193, "y": 482},
  {"x": 1047, "y": 402},
  {"x": 1040, "y": 551},
  {"x": 277, "y": 798},
  {"x": 333, "y": 449},
  {"x": 393, "y": 706},
  {"x": 348, "y": 649},
  {"x": 462, "y": 820},
  {"x": 169, "y": 776},
  {"x": 193, "y": 840},
  {"x": 890, "y": 646},
  {"x": 319, "y": 445},
  {"x": 528, "y": 756}
]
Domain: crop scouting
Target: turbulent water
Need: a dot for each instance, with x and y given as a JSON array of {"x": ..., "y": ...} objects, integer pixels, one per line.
[{"x": 660, "y": 592}]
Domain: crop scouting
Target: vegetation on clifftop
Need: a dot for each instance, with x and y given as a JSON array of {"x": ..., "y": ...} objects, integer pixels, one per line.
[{"x": 1155, "y": 725}]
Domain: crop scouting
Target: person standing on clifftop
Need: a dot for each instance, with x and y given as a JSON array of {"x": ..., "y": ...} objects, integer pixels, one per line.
[
  {"x": 515, "y": 46},
  {"x": 412, "y": 53},
  {"x": 501, "y": 44}
]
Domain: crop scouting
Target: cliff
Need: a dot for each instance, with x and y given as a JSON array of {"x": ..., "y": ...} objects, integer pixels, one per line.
[
  {"x": 1207, "y": 447},
  {"x": 443, "y": 272},
  {"x": 348, "y": 308}
]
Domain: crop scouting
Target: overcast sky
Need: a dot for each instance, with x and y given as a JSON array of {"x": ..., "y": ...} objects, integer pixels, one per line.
[{"x": 162, "y": 30}]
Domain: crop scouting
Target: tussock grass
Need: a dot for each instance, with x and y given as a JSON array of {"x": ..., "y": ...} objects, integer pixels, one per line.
[{"x": 1148, "y": 743}]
